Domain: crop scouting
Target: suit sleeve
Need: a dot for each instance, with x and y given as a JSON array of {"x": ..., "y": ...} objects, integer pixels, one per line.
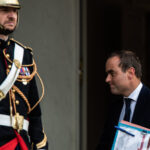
[
  {"x": 36, "y": 131},
  {"x": 108, "y": 134}
]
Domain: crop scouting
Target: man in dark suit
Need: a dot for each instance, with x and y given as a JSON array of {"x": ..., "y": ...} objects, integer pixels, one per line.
[{"x": 124, "y": 73}]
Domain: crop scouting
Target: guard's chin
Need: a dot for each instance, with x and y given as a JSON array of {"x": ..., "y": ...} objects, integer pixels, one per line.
[{"x": 4, "y": 31}]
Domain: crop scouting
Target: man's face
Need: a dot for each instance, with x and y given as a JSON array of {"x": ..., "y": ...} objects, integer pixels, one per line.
[
  {"x": 8, "y": 18},
  {"x": 119, "y": 81}
]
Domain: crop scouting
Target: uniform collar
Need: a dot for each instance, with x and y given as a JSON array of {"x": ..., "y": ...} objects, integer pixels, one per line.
[{"x": 4, "y": 44}]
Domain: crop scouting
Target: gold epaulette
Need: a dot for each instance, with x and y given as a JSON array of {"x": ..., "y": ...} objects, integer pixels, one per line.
[{"x": 20, "y": 44}]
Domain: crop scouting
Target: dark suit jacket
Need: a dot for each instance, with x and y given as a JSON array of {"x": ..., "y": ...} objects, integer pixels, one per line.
[{"x": 141, "y": 116}]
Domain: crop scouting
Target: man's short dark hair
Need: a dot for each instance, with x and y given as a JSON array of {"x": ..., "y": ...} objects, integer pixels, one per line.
[{"x": 128, "y": 59}]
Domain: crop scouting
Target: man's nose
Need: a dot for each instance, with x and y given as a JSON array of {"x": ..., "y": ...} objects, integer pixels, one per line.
[
  {"x": 108, "y": 78},
  {"x": 12, "y": 14}
]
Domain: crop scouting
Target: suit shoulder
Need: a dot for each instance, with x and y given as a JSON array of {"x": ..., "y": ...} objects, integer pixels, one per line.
[
  {"x": 145, "y": 92},
  {"x": 145, "y": 88},
  {"x": 25, "y": 47}
]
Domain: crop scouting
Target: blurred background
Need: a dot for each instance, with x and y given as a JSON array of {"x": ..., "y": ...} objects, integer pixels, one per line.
[{"x": 71, "y": 40}]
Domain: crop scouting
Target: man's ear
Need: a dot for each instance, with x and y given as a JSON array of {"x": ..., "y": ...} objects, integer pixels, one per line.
[{"x": 131, "y": 73}]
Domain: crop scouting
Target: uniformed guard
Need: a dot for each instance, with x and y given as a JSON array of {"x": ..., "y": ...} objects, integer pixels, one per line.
[{"x": 20, "y": 114}]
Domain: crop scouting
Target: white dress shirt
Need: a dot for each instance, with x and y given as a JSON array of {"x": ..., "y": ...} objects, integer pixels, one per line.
[{"x": 134, "y": 96}]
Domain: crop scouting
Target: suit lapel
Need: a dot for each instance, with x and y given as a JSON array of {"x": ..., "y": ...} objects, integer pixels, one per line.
[{"x": 140, "y": 106}]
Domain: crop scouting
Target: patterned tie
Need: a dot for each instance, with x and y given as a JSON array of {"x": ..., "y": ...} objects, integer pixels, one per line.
[{"x": 128, "y": 109}]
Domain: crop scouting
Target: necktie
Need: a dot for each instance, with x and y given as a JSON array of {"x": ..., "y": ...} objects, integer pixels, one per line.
[{"x": 127, "y": 109}]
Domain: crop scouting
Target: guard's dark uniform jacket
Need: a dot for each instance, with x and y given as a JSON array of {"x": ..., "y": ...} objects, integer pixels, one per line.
[{"x": 22, "y": 99}]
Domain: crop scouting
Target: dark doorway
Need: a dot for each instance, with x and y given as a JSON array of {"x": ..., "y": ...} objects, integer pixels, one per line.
[{"x": 111, "y": 26}]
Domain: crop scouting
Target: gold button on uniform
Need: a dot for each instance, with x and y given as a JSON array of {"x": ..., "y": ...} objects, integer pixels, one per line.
[
  {"x": 9, "y": 66},
  {"x": 7, "y": 55},
  {"x": 17, "y": 102}
]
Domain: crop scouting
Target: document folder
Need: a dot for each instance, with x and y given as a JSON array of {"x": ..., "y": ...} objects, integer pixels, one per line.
[{"x": 130, "y": 136}]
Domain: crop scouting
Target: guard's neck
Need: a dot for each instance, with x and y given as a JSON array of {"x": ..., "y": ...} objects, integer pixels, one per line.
[{"x": 3, "y": 37}]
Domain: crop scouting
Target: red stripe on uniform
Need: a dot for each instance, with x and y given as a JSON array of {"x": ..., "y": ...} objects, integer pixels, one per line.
[
  {"x": 22, "y": 144},
  {"x": 10, "y": 145}
]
